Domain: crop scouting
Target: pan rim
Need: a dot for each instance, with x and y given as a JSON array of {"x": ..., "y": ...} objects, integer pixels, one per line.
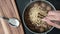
[{"x": 24, "y": 20}]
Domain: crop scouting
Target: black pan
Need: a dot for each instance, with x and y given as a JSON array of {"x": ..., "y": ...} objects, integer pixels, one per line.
[{"x": 25, "y": 11}]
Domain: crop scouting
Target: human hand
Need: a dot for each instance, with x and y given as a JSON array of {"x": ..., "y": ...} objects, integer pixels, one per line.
[{"x": 52, "y": 15}]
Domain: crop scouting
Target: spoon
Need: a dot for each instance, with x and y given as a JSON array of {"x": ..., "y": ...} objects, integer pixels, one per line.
[{"x": 12, "y": 21}]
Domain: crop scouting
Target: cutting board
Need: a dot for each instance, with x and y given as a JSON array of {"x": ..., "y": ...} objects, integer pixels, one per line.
[{"x": 8, "y": 9}]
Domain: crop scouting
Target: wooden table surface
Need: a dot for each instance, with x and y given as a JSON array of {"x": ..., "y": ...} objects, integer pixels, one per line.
[{"x": 9, "y": 10}]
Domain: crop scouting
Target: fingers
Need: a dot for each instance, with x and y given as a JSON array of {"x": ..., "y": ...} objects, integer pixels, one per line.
[
  {"x": 53, "y": 12},
  {"x": 51, "y": 23},
  {"x": 53, "y": 15}
]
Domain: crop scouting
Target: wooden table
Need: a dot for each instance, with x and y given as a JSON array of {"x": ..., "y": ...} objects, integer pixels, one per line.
[{"x": 9, "y": 10}]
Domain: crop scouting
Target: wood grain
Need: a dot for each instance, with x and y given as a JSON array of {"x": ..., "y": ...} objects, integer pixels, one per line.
[{"x": 9, "y": 10}]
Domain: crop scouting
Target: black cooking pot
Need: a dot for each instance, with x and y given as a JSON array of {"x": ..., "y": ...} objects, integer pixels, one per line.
[{"x": 27, "y": 7}]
